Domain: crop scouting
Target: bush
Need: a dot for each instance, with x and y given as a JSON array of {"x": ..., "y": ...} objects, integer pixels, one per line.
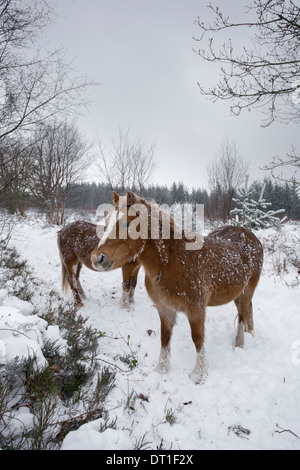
[{"x": 68, "y": 390}]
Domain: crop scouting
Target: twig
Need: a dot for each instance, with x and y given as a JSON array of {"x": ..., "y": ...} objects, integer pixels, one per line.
[
  {"x": 23, "y": 405},
  {"x": 286, "y": 430},
  {"x": 127, "y": 343},
  {"x": 104, "y": 335},
  {"x": 16, "y": 331},
  {"x": 111, "y": 364}
]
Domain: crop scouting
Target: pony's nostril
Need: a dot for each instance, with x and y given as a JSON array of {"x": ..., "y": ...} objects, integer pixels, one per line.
[{"x": 101, "y": 259}]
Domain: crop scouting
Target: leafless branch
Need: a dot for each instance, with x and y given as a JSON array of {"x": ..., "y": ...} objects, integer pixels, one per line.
[
  {"x": 278, "y": 165},
  {"x": 265, "y": 75}
]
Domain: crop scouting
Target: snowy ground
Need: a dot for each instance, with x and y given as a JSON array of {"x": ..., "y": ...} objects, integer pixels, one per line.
[{"x": 256, "y": 389}]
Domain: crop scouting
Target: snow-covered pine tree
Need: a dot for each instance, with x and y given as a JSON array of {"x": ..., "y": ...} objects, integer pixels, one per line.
[{"x": 254, "y": 214}]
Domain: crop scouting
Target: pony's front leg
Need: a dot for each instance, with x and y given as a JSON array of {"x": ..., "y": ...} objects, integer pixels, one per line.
[
  {"x": 196, "y": 319},
  {"x": 124, "y": 302},
  {"x": 130, "y": 274},
  {"x": 168, "y": 320}
]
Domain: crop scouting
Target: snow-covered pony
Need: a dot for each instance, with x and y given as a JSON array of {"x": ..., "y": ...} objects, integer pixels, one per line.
[
  {"x": 226, "y": 268},
  {"x": 76, "y": 243}
]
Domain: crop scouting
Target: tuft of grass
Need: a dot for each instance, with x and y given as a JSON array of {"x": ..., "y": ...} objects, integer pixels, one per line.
[
  {"x": 170, "y": 416},
  {"x": 141, "y": 443},
  {"x": 130, "y": 401}
]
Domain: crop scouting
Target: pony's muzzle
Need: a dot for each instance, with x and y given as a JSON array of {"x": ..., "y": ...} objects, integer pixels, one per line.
[{"x": 101, "y": 262}]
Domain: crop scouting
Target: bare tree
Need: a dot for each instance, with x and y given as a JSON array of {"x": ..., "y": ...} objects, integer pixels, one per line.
[
  {"x": 33, "y": 88},
  {"x": 226, "y": 172},
  {"x": 125, "y": 163},
  {"x": 59, "y": 158},
  {"x": 265, "y": 74},
  {"x": 14, "y": 174}
]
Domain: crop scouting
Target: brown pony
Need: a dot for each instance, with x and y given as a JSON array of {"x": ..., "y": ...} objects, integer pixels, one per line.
[
  {"x": 226, "y": 268},
  {"x": 76, "y": 243}
]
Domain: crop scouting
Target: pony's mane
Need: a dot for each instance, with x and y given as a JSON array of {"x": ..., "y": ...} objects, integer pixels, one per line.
[{"x": 173, "y": 225}]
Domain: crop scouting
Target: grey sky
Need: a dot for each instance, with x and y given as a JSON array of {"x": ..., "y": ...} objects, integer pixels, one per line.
[{"x": 140, "y": 51}]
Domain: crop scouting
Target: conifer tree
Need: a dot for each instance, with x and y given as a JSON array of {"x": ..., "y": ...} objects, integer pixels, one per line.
[{"x": 254, "y": 214}]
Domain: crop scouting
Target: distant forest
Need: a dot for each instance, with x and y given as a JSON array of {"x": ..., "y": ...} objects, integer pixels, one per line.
[{"x": 89, "y": 196}]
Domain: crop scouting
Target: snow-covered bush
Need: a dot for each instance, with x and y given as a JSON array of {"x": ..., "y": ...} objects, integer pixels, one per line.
[
  {"x": 47, "y": 359},
  {"x": 254, "y": 214},
  {"x": 282, "y": 252}
]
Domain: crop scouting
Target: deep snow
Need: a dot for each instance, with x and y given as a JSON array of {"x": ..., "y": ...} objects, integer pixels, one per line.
[{"x": 256, "y": 388}]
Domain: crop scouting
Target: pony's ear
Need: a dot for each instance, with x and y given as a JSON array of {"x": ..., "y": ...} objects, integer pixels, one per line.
[
  {"x": 116, "y": 198},
  {"x": 131, "y": 198}
]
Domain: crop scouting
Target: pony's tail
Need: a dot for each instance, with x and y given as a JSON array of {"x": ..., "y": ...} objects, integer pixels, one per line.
[
  {"x": 64, "y": 273},
  {"x": 64, "y": 277}
]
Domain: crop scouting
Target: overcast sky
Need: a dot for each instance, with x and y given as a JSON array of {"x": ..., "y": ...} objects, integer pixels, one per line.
[{"x": 141, "y": 53}]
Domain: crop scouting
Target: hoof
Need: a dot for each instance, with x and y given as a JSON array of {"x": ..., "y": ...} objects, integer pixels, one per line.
[
  {"x": 162, "y": 368},
  {"x": 126, "y": 301},
  {"x": 163, "y": 362},
  {"x": 125, "y": 306},
  {"x": 239, "y": 343},
  {"x": 199, "y": 378}
]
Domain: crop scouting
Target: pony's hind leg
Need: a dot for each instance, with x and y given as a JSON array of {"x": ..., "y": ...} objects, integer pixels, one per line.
[
  {"x": 249, "y": 326},
  {"x": 250, "y": 320},
  {"x": 245, "y": 314},
  {"x": 73, "y": 282},
  {"x": 79, "y": 286}
]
